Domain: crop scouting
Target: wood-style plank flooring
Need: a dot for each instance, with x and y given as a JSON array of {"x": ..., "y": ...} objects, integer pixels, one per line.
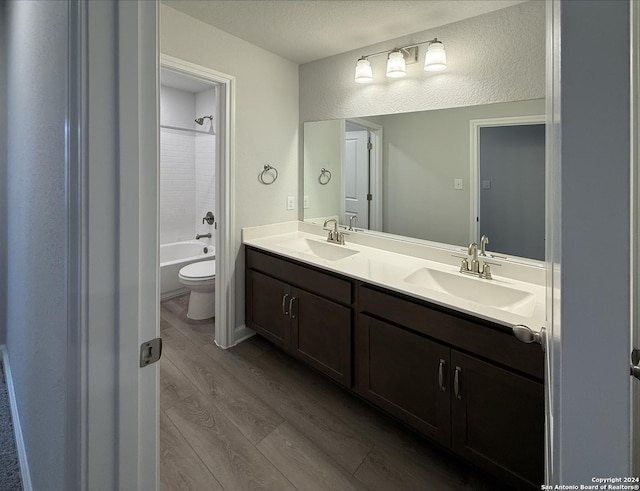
[{"x": 251, "y": 417}]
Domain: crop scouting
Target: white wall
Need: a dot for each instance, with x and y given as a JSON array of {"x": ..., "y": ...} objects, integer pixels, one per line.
[
  {"x": 36, "y": 311},
  {"x": 177, "y": 185},
  {"x": 205, "y": 158},
  {"x": 495, "y": 57},
  {"x": 265, "y": 121},
  {"x": 187, "y": 165},
  {"x": 323, "y": 148}
]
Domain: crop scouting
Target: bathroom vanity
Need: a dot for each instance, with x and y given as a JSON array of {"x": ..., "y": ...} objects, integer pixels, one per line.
[{"x": 355, "y": 314}]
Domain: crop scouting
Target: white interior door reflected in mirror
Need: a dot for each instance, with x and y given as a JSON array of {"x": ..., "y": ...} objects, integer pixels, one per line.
[{"x": 356, "y": 176}]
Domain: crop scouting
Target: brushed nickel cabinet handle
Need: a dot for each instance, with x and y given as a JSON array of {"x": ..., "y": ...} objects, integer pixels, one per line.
[
  {"x": 293, "y": 316},
  {"x": 441, "y": 375},
  {"x": 456, "y": 383},
  {"x": 284, "y": 304}
]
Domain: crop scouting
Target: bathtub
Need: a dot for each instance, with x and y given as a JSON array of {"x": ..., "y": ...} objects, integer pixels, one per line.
[{"x": 176, "y": 255}]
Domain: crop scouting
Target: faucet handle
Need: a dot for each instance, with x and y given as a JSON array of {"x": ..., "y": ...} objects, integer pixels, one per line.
[{"x": 485, "y": 272}]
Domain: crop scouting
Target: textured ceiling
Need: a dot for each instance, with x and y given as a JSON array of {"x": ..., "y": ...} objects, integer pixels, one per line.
[{"x": 308, "y": 30}]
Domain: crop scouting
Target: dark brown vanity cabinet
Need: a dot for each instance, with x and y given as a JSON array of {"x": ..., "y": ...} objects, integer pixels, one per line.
[
  {"x": 305, "y": 312},
  {"x": 498, "y": 420},
  {"x": 411, "y": 363},
  {"x": 406, "y": 375},
  {"x": 466, "y": 383}
]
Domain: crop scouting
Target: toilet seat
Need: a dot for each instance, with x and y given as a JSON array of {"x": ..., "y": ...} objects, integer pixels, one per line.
[{"x": 202, "y": 270}]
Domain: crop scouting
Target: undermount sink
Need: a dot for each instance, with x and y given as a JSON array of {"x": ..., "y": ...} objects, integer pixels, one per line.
[
  {"x": 481, "y": 291},
  {"x": 319, "y": 249}
]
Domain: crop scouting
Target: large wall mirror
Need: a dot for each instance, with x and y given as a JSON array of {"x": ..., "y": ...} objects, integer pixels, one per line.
[
  {"x": 449, "y": 157},
  {"x": 447, "y": 176}
]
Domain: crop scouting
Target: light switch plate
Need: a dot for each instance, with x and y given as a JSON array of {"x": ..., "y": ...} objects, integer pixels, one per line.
[
  {"x": 306, "y": 201},
  {"x": 486, "y": 184},
  {"x": 291, "y": 202},
  {"x": 457, "y": 184}
]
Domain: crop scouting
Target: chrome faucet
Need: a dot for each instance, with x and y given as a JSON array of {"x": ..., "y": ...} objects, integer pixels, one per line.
[
  {"x": 334, "y": 236},
  {"x": 474, "y": 267},
  {"x": 352, "y": 218},
  {"x": 484, "y": 240},
  {"x": 203, "y": 236}
]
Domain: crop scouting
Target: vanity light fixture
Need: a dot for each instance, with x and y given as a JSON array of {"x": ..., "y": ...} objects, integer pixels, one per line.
[{"x": 435, "y": 60}]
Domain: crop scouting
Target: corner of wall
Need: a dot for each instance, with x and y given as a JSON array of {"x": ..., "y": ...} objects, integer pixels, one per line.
[{"x": 3, "y": 175}]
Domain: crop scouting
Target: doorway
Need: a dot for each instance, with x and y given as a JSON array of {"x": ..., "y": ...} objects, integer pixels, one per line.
[
  {"x": 220, "y": 124},
  {"x": 508, "y": 184},
  {"x": 362, "y": 179}
]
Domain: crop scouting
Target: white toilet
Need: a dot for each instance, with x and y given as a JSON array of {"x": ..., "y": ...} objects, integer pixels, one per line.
[{"x": 200, "y": 278}]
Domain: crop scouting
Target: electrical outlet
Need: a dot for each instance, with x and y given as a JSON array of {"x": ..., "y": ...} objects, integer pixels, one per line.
[
  {"x": 457, "y": 184},
  {"x": 306, "y": 201},
  {"x": 291, "y": 202}
]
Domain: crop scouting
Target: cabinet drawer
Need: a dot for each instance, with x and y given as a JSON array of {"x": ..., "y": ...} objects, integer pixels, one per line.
[
  {"x": 487, "y": 342},
  {"x": 301, "y": 276}
]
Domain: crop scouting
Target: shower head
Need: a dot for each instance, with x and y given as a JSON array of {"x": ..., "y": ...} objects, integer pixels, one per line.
[{"x": 200, "y": 121}]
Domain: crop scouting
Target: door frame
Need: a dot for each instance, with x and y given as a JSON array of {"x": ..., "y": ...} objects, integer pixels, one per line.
[
  {"x": 112, "y": 426},
  {"x": 474, "y": 161},
  {"x": 634, "y": 334},
  {"x": 224, "y": 169},
  {"x": 375, "y": 171}
]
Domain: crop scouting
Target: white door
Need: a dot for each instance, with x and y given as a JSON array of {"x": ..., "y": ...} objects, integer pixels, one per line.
[
  {"x": 356, "y": 177},
  {"x": 114, "y": 208}
]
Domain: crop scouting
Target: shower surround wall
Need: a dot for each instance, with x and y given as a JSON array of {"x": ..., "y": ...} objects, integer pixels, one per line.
[{"x": 187, "y": 164}]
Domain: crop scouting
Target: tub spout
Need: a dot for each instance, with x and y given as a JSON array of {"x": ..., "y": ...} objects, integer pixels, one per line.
[{"x": 202, "y": 236}]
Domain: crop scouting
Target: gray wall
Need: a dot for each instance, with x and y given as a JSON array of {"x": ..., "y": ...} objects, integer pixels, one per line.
[
  {"x": 512, "y": 206},
  {"x": 591, "y": 390},
  {"x": 36, "y": 315},
  {"x": 3, "y": 176},
  {"x": 423, "y": 152}
]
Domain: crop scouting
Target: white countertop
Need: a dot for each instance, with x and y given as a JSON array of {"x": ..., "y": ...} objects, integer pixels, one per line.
[{"x": 389, "y": 263}]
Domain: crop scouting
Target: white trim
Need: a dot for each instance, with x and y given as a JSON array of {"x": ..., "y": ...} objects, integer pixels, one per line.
[
  {"x": 225, "y": 294},
  {"x": 553, "y": 217},
  {"x": 634, "y": 333},
  {"x": 474, "y": 160},
  {"x": 15, "y": 419},
  {"x": 376, "y": 132},
  {"x": 242, "y": 333}
]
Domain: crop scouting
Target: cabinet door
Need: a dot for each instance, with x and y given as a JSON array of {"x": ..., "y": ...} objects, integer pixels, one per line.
[
  {"x": 267, "y": 308},
  {"x": 498, "y": 420},
  {"x": 321, "y": 334},
  {"x": 405, "y": 374}
]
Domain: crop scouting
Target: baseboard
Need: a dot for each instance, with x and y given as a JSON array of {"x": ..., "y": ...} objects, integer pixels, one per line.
[
  {"x": 242, "y": 333},
  {"x": 17, "y": 429}
]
